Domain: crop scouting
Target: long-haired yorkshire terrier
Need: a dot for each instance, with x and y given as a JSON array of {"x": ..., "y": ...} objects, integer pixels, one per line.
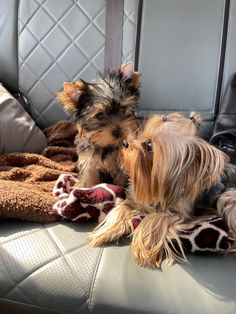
[
  {"x": 169, "y": 171},
  {"x": 105, "y": 112}
]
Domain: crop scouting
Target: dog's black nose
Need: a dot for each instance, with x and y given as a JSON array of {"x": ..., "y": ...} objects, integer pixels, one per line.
[
  {"x": 116, "y": 133},
  {"x": 125, "y": 144}
]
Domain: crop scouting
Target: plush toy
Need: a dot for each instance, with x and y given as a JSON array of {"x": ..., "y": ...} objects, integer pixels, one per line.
[
  {"x": 82, "y": 204},
  {"x": 93, "y": 204}
]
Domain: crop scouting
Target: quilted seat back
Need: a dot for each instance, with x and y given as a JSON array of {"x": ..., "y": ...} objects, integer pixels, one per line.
[
  {"x": 62, "y": 40},
  {"x": 185, "y": 50}
]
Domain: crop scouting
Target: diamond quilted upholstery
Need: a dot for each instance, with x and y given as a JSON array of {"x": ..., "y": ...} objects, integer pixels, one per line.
[
  {"x": 129, "y": 30},
  {"x": 68, "y": 45},
  {"x": 59, "y": 40},
  {"x": 48, "y": 266},
  {"x": 50, "y": 269}
]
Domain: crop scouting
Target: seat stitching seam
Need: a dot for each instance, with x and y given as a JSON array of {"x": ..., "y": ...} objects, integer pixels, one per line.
[{"x": 92, "y": 288}]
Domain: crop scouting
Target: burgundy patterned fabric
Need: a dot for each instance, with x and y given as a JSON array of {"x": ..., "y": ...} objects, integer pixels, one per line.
[
  {"x": 93, "y": 204},
  {"x": 210, "y": 236},
  {"x": 82, "y": 204}
]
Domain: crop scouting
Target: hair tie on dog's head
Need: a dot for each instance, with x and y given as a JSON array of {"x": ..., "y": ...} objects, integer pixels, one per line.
[
  {"x": 164, "y": 118},
  {"x": 147, "y": 145},
  {"x": 196, "y": 118}
]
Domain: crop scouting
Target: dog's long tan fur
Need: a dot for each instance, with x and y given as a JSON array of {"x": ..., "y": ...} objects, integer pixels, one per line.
[
  {"x": 182, "y": 167},
  {"x": 168, "y": 171}
]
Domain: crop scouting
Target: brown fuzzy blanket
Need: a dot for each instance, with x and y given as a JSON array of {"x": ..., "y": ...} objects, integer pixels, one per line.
[{"x": 27, "y": 180}]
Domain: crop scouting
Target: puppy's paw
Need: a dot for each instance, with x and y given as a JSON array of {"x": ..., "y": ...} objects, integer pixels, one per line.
[
  {"x": 146, "y": 254},
  {"x": 157, "y": 237},
  {"x": 117, "y": 224},
  {"x": 102, "y": 235}
]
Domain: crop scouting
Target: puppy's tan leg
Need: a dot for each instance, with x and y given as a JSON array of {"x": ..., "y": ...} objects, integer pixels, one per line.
[
  {"x": 88, "y": 169},
  {"x": 88, "y": 180},
  {"x": 118, "y": 223},
  {"x": 156, "y": 236}
]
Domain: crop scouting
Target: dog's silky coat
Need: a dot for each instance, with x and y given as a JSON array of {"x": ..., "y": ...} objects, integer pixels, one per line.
[
  {"x": 170, "y": 169},
  {"x": 105, "y": 113}
]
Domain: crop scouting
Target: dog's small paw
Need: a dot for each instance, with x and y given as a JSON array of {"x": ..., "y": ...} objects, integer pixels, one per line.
[
  {"x": 146, "y": 257},
  {"x": 97, "y": 239}
]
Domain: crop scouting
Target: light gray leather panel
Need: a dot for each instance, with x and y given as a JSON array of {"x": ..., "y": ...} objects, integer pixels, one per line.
[
  {"x": 59, "y": 40},
  {"x": 114, "y": 30},
  {"x": 230, "y": 54},
  {"x": 64, "y": 40},
  {"x": 206, "y": 285},
  {"x": 129, "y": 30},
  {"x": 8, "y": 43},
  {"x": 51, "y": 269},
  {"x": 46, "y": 266},
  {"x": 180, "y": 54}
]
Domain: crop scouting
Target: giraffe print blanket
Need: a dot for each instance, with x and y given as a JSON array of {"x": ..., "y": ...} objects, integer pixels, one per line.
[{"x": 93, "y": 204}]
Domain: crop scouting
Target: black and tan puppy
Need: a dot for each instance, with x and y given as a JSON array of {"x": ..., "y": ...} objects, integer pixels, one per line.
[{"x": 105, "y": 111}]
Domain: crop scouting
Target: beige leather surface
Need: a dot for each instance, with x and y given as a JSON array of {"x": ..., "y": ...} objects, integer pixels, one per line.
[
  {"x": 45, "y": 268},
  {"x": 206, "y": 285}
]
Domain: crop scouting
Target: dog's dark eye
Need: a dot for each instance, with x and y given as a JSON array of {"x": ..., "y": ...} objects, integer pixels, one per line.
[
  {"x": 125, "y": 144},
  {"x": 147, "y": 146},
  {"x": 123, "y": 110},
  {"x": 99, "y": 116}
]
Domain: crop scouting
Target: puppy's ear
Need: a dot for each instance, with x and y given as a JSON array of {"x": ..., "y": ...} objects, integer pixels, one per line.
[
  {"x": 127, "y": 69},
  {"x": 72, "y": 91},
  {"x": 128, "y": 72},
  {"x": 70, "y": 96}
]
